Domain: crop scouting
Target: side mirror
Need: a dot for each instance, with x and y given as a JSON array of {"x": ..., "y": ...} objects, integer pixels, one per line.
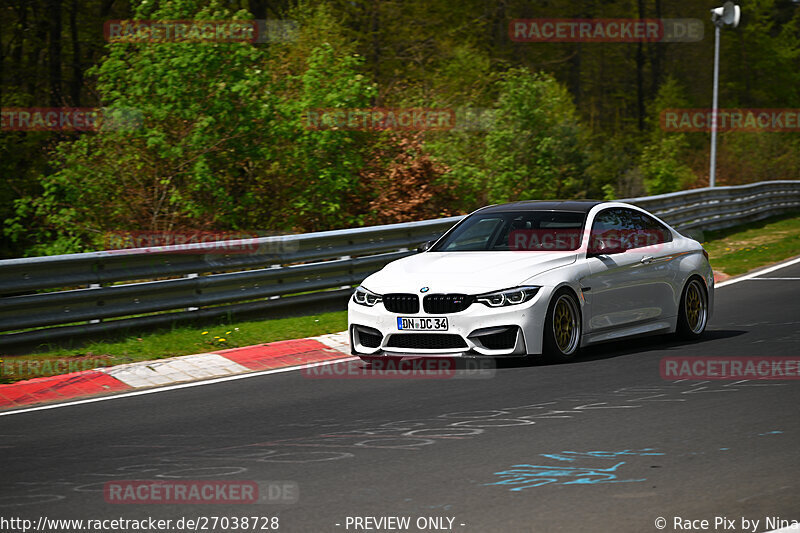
[{"x": 425, "y": 246}]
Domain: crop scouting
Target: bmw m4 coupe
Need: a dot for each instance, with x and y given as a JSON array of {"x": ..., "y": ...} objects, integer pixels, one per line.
[{"x": 530, "y": 278}]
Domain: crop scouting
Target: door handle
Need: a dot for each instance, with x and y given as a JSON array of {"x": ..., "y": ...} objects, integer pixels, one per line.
[{"x": 647, "y": 260}]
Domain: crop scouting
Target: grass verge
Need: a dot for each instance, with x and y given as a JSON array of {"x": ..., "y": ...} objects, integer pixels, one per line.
[
  {"x": 737, "y": 250},
  {"x": 158, "y": 345}
]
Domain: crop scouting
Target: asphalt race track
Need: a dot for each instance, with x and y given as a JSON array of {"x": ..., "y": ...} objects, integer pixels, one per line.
[{"x": 603, "y": 444}]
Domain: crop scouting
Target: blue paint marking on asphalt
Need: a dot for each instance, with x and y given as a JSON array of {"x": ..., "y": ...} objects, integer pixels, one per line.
[
  {"x": 528, "y": 476},
  {"x": 525, "y": 476},
  {"x": 770, "y": 433},
  {"x": 572, "y": 456}
]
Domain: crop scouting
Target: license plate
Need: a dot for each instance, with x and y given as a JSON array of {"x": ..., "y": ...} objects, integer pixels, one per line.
[{"x": 421, "y": 324}]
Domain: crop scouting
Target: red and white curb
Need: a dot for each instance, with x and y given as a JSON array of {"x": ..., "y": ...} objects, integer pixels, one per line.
[{"x": 175, "y": 370}]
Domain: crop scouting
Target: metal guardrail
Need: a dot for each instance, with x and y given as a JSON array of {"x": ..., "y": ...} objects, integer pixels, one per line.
[
  {"x": 722, "y": 207},
  {"x": 151, "y": 286}
]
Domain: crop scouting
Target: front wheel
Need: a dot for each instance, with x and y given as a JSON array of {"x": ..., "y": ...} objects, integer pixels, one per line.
[
  {"x": 693, "y": 313},
  {"x": 562, "y": 328}
]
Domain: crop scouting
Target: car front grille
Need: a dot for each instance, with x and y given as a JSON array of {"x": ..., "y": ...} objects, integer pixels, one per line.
[
  {"x": 401, "y": 303},
  {"x": 442, "y": 304},
  {"x": 426, "y": 341}
]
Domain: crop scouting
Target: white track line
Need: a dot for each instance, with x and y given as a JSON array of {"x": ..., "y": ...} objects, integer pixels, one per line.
[
  {"x": 174, "y": 387},
  {"x": 774, "y": 279},
  {"x": 757, "y": 273}
]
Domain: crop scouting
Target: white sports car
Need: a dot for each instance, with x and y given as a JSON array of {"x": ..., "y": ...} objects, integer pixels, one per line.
[{"x": 530, "y": 278}]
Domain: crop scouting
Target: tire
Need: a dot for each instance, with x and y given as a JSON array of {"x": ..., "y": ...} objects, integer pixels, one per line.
[
  {"x": 562, "y": 328},
  {"x": 693, "y": 311}
]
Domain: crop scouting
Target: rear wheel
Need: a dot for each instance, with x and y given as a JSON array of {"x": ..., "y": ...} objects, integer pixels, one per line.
[
  {"x": 562, "y": 328},
  {"x": 693, "y": 313}
]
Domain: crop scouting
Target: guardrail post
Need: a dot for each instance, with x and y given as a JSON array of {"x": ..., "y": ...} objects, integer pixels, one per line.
[
  {"x": 190, "y": 276},
  {"x": 95, "y": 286},
  {"x": 345, "y": 258},
  {"x": 277, "y": 296}
]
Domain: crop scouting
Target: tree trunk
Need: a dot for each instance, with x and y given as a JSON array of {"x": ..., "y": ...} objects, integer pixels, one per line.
[
  {"x": 259, "y": 9},
  {"x": 54, "y": 59},
  {"x": 640, "y": 73},
  {"x": 656, "y": 57},
  {"x": 375, "y": 25},
  {"x": 575, "y": 74},
  {"x": 77, "y": 72}
]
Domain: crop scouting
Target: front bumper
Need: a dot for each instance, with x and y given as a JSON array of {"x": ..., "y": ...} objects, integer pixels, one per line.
[{"x": 477, "y": 331}]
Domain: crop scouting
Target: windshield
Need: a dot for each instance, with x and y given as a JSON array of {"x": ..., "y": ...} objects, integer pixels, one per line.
[{"x": 516, "y": 231}]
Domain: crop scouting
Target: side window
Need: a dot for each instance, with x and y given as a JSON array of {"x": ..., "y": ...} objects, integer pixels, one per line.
[
  {"x": 630, "y": 228},
  {"x": 654, "y": 231},
  {"x": 606, "y": 220},
  {"x": 613, "y": 227}
]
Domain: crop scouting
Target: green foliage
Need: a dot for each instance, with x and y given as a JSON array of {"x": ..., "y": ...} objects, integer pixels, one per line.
[
  {"x": 613, "y": 167},
  {"x": 529, "y": 145},
  {"x": 671, "y": 95},
  {"x": 662, "y": 165},
  {"x": 663, "y": 159},
  {"x": 324, "y": 163},
  {"x": 745, "y": 157},
  {"x": 467, "y": 85},
  {"x": 224, "y": 144},
  {"x": 537, "y": 148},
  {"x": 762, "y": 57},
  {"x": 608, "y": 192}
]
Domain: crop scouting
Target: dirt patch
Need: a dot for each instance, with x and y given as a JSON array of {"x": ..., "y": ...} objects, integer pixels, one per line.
[{"x": 720, "y": 276}]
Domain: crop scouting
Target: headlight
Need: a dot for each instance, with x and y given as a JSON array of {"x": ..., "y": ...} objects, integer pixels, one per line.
[
  {"x": 364, "y": 297},
  {"x": 513, "y": 296}
]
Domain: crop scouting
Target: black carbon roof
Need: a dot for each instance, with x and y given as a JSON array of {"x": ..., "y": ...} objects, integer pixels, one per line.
[{"x": 580, "y": 206}]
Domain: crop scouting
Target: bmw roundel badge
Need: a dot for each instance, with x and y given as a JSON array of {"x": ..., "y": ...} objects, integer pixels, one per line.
[{"x": 424, "y": 289}]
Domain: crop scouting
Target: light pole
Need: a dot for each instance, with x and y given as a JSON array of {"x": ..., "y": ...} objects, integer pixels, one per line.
[{"x": 727, "y": 15}]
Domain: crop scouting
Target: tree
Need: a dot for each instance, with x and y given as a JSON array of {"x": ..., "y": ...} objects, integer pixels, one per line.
[
  {"x": 663, "y": 160},
  {"x": 537, "y": 148},
  {"x": 221, "y": 143}
]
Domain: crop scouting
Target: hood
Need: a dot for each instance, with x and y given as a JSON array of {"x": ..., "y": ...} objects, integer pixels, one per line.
[{"x": 464, "y": 272}]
